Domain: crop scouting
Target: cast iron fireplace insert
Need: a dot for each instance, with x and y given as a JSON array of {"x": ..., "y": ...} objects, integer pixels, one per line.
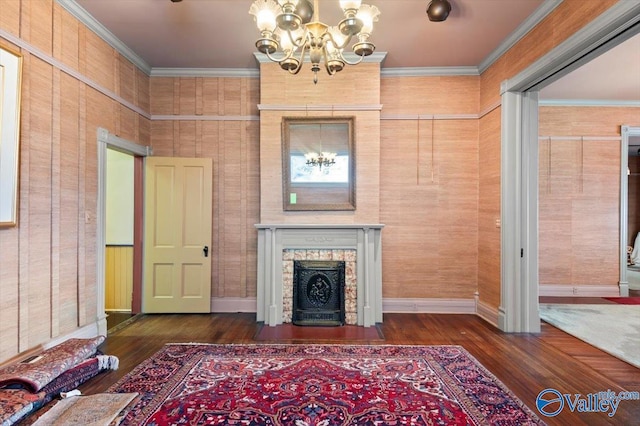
[{"x": 318, "y": 292}]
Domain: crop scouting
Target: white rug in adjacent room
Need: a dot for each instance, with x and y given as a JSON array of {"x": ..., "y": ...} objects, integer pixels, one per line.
[
  {"x": 613, "y": 328},
  {"x": 633, "y": 277}
]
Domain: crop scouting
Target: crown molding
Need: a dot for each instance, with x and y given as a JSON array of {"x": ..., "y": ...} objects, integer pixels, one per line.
[
  {"x": 588, "y": 103},
  {"x": 205, "y": 72},
  {"x": 534, "y": 19},
  {"x": 428, "y": 71},
  {"x": 84, "y": 17}
]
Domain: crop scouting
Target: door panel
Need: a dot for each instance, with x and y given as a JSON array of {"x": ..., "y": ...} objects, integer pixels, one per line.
[{"x": 177, "y": 228}]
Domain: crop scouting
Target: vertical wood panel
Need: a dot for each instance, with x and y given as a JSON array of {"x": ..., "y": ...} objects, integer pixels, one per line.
[
  {"x": 118, "y": 278},
  {"x": 100, "y": 60},
  {"x": 579, "y": 212},
  {"x": 38, "y": 15},
  {"x": 40, "y": 206},
  {"x": 489, "y": 210},
  {"x": 10, "y": 17},
  {"x": 69, "y": 203},
  {"x": 24, "y": 223}
]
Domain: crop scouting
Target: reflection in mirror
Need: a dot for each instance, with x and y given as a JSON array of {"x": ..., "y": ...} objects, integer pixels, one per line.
[{"x": 318, "y": 163}]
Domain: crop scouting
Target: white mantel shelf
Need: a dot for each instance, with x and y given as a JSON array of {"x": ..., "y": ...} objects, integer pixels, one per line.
[{"x": 366, "y": 239}]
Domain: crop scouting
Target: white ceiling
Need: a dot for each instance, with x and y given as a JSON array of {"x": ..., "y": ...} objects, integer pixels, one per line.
[
  {"x": 612, "y": 76},
  {"x": 220, "y": 34}
]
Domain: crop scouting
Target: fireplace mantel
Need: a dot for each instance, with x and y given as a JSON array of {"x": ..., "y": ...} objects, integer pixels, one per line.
[{"x": 366, "y": 239}]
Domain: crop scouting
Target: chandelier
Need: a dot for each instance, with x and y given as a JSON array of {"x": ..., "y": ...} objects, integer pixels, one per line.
[
  {"x": 287, "y": 31},
  {"x": 324, "y": 159}
]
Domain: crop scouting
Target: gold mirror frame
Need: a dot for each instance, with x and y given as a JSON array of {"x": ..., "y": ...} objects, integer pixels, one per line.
[
  {"x": 309, "y": 187},
  {"x": 10, "y": 84}
]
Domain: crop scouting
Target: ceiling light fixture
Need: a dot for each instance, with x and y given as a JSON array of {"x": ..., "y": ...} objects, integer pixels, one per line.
[
  {"x": 324, "y": 159},
  {"x": 286, "y": 27},
  {"x": 438, "y": 10}
]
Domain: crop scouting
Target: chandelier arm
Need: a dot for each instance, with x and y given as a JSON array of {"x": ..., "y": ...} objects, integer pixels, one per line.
[
  {"x": 361, "y": 57},
  {"x": 300, "y": 60},
  {"x": 274, "y": 59},
  {"x": 333, "y": 40},
  {"x": 300, "y": 41}
]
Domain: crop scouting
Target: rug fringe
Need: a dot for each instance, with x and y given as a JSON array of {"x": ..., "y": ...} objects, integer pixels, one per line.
[{"x": 108, "y": 362}]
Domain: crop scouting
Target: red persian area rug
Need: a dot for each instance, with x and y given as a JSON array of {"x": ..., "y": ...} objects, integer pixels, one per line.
[
  {"x": 307, "y": 385},
  {"x": 625, "y": 300}
]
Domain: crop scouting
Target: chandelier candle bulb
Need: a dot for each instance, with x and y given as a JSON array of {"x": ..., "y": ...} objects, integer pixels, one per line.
[{"x": 286, "y": 34}]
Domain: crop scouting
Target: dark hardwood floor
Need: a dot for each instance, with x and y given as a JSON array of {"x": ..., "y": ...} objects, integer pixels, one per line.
[{"x": 526, "y": 363}]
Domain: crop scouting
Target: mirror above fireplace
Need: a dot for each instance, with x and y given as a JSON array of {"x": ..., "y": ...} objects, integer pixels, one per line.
[{"x": 318, "y": 166}]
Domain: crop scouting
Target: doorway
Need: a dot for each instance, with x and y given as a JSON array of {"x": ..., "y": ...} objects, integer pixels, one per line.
[
  {"x": 630, "y": 211},
  {"x": 519, "y": 309},
  {"x": 119, "y": 220},
  {"x": 107, "y": 141}
]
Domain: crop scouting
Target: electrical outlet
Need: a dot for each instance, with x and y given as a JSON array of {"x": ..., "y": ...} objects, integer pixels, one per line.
[{"x": 575, "y": 290}]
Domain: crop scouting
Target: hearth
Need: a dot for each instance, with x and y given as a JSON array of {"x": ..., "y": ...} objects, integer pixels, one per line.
[{"x": 318, "y": 292}]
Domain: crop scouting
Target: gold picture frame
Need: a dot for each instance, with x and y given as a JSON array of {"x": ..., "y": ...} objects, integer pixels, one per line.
[
  {"x": 10, "y": 84},
  {"x": 318, "y": 187}
]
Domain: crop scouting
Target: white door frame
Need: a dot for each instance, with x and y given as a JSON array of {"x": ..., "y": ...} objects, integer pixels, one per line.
[
  {"x": 518, "y": 311},
  {"x": 627, "y": 132},
  {"x": 107, "y": 140}
]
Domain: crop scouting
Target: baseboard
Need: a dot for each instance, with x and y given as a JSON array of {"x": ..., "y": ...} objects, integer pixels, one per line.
[
  {"x": 86, "y": 332},
  {"x": 431, "y": 306},
  {"x": 562, "y": 290},
  {"x": 234, "y": 304},
  {"x": 488, "y": 313}
]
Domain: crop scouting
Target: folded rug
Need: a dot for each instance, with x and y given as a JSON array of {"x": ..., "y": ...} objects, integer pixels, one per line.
[
  {"x": 94, "y": 410},
  {"x": 18, "y": 403},
  {"x": 49, "y": 364}
]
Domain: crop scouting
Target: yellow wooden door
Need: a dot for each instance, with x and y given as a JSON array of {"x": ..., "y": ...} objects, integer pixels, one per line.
[{"x": 177, "y": 242}]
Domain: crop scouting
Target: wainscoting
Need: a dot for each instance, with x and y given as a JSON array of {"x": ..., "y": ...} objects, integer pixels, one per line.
[{"x": 118, "y": 278}]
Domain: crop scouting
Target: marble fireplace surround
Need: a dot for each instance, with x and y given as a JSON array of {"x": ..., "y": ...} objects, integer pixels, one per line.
[{"x": 365, "y": 239}]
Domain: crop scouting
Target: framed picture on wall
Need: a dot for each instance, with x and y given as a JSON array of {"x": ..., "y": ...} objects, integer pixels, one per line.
[{"x": 10, "y": 81}]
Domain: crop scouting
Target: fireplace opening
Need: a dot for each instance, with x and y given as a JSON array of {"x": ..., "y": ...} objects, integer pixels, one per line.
[{"x": 318, "y": 292}]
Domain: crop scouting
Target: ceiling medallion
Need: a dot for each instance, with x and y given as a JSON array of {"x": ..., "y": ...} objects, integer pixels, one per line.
[{"x": 288, "y": 31}]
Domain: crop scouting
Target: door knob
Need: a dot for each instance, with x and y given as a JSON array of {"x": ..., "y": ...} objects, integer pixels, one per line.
[{"x": 206, "y": 251}]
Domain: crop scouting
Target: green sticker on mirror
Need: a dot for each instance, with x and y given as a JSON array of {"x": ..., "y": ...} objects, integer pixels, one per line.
[{"x": 292, "y": 198}]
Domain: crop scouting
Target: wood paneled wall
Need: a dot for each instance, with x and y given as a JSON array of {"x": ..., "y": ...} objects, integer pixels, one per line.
[
  {"x": 567, "y": 18},
  {"x": 429, "y": 188},
  {"x": 118, "y": 282},
  {"x": 47, "y": 262},
  {"x": 223, "y": 126},
  {"x": 579, "y": 194}
]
